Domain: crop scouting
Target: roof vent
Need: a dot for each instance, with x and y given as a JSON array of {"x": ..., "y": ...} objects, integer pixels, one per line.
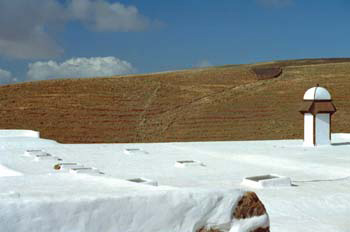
[
  {"x": 40, "y": 155},
  {"x": 188, "y": 163},
  {"x": 144, "y": 181},
  {"x": 266, "y": 181},
  {"x": 46, "y": 156},
  {"x": 67, "y": 166},
  {"x": 33, "y": 152},
  {"x": 85, "y": 170},
  {"x": 132, "y": 151}
]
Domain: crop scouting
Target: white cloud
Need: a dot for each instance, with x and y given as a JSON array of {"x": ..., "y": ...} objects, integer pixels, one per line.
[
  {"x": 22, "y": 28},
  {"x": 26, "y": 26},
  {"x": 78, "y": 67},
  {"x": 105, "y": 16},
  {"x": 276, "y": 3},
  {"x": 6, "y": 77},
  {"x": 37, "y": 44}
]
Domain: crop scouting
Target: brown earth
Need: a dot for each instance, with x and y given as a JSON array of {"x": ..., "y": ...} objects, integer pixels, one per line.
[
  {"x": 267, "y": 73},
  {"x": 250, "y": 206},
  {"x": 247, "y": 207},
  {"x": 216, "y": 103}
]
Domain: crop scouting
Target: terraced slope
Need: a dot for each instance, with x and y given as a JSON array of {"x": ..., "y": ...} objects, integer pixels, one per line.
[{"x": 218, "y": 103}]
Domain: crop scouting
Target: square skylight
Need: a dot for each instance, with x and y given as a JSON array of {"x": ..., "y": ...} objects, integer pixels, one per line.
[
  {"x": 67, "y": 166},
  {"x": 40, "y": 155},
  {"x": 85, "y": 170},
  {"x": 188, "y": 163},
  {"x": 134, "y": 151},
  {"x": 46, "y": 156},
  {"x": 141, "y": 180},
  {"x": 34, "y": 152},
  {"x": 266, "y": 181}
]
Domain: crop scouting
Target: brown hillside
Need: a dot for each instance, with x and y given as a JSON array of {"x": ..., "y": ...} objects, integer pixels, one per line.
[{"x": 218, "y": 103}]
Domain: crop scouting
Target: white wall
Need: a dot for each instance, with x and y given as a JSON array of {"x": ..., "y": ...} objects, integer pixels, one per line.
[
  {"x": 19, "y": 133},
  {"x": 308, "y": 129},
  {"x": 322, "y": 129}
]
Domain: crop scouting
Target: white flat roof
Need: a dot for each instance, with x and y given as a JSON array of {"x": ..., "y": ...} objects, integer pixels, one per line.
[{"x": 319, "y": 199}]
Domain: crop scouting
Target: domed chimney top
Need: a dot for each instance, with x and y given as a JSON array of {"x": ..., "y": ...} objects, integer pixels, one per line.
[
  {"x": 317, "y": 93},
  {"x": 317, "y": 100}
]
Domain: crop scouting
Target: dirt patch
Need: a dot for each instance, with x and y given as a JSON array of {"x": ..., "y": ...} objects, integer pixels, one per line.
[{"x": 267, "y": 73}]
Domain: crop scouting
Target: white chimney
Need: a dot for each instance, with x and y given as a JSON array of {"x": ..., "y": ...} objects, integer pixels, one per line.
[{"x": 317, "y": 109}]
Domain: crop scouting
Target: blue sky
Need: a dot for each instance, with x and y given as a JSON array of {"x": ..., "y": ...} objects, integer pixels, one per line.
[{"x": 46, "y": 39}]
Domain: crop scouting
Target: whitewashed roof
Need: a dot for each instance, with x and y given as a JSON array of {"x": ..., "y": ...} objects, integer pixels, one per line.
[
  {"x": 317, "y": 93},
  {"x": 319, "y": 199}
]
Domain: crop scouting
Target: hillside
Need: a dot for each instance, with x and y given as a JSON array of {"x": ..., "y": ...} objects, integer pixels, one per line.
[{"x": 218, "y": 103}]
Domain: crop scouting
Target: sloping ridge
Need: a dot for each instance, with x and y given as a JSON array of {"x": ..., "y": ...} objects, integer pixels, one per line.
[{"x": 217, "y": 103}]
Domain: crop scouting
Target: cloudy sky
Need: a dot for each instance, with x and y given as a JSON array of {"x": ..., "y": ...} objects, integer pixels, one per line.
[{"x": 46, "y": 39}]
